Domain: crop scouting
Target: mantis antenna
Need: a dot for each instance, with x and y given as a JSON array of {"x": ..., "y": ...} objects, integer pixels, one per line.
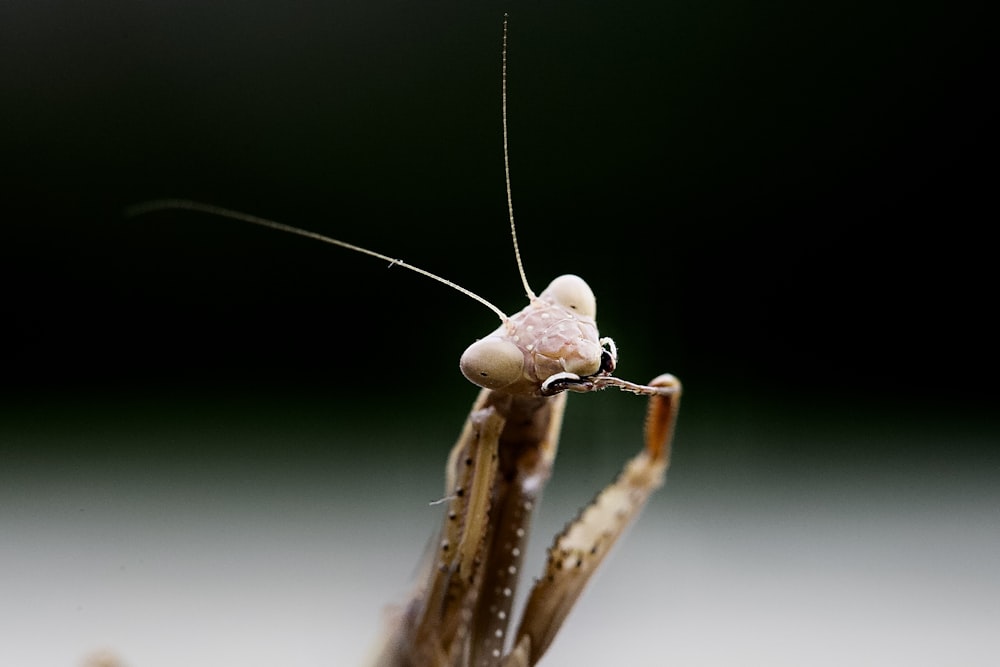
[
  {"x": 506, "y": 164},
  {"x": 211, "y": 209}
]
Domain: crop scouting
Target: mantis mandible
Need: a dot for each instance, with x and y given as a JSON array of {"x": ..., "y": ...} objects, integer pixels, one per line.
[{"x": 460, "y": 612}]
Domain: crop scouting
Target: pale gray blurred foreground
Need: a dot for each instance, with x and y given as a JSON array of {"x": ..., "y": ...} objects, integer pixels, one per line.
[{"x": 262, "y": 561}]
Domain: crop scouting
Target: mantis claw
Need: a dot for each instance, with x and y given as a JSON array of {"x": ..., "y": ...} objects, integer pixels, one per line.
[
  {"x": 577, "y": 552},
  {"x": 561, "y": 382}
]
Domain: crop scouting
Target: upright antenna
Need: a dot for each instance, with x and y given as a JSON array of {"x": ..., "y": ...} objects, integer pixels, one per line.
[{"x": 506, "y": 167}]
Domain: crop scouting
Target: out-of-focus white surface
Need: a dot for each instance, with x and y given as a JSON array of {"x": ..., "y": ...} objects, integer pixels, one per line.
[{"x": 217, "y": 567}]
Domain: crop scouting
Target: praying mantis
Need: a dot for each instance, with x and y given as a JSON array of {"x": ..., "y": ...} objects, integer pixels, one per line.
[{"x": 460, "y": 611}]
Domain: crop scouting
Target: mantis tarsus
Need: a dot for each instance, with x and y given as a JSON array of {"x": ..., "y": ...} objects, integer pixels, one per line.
[{"x": 460, "y": 612}]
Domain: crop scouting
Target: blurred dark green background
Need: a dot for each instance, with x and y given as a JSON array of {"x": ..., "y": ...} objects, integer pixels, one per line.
[{"x": 234, "y": 433}]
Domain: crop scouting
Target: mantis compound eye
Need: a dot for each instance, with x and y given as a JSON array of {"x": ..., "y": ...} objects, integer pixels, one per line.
[
  {"x": 573, "y": 293},
  {"x": 492, "y": 363}
]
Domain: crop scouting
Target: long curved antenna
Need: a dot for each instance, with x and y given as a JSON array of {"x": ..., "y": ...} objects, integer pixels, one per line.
[
  {"x": 189, "y": 205},
  {"x": 506, "y": 165}
]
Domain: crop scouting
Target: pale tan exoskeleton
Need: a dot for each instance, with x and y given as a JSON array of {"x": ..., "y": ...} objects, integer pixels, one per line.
[{"x": 460, "y": 612}]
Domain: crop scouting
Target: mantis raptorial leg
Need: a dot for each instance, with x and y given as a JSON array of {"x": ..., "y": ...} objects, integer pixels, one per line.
[
  {"x": 460, "y": 611},
  {"x": 460, "y": 614}
]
